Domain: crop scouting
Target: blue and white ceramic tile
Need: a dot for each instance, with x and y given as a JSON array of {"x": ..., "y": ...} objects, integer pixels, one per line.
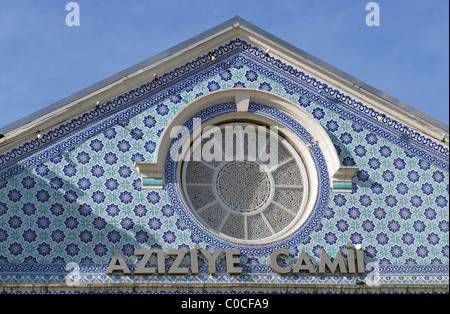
[{"x": 75, "y": 196}]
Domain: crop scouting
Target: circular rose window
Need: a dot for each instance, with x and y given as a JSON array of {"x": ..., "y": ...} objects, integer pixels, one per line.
[{"x": 244, "y": 182}]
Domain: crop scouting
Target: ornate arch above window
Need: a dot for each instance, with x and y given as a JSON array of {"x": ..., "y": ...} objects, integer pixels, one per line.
[{"x": 341, "y": 176}]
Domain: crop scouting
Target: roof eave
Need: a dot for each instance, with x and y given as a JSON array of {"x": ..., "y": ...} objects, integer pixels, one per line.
[{"x": 125, "y": 80}]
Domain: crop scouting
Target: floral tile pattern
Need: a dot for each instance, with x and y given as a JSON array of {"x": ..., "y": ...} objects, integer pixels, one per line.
[{"x": 78, "y": 198}]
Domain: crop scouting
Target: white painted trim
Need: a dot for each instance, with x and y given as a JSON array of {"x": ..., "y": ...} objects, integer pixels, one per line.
[{"x": 241, "y": 96}]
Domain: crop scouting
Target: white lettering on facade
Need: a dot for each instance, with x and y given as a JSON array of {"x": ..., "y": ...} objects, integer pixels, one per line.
[
  {"x": 304, "y": 263},
  {"x": 354, "y": 263}
]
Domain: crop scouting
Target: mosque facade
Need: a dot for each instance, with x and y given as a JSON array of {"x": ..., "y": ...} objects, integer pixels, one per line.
[{"x": 232, "y": 162}]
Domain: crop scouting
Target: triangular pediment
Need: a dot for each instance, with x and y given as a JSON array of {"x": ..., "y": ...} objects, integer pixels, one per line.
[
  {"x": 110, "y": 176},
  {"x": 298, "y": 76}
]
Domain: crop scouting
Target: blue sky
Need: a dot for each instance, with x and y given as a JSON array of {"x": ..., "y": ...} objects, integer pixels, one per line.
[{"x": 42, "y": 60}]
